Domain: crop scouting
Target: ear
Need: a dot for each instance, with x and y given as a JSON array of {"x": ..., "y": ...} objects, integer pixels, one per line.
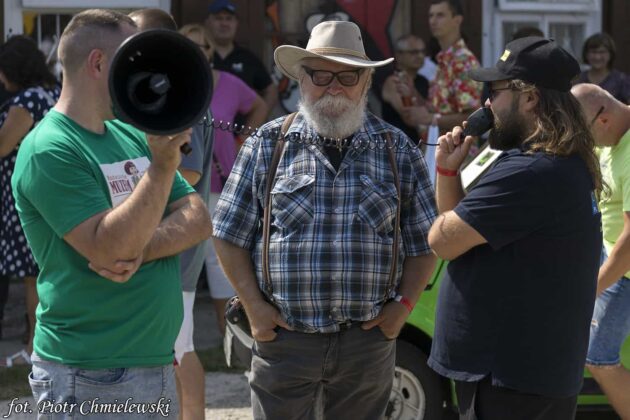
[
  {"x": 96, "y": 63},
  {"x": 529, "y": 100}
]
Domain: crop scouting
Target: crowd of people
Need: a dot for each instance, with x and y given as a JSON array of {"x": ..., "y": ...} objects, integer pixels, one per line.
[{"x": 328, "y": 245}]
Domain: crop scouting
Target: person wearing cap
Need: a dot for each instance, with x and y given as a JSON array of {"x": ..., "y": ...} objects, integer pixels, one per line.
[
  {"x": 222, "y": 22},
  {"x": 515, "y": 306},
  {"x": 610, "y": 125},
  {"x": 334, "y": 318}
]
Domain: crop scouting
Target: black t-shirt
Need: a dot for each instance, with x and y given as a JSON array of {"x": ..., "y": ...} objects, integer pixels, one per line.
[
  {"x": 391, "y": 116},
  {"x": 519, "y": 307},
  {"x": 246, "y": 66},
  {"x": 335, "y": 155}
]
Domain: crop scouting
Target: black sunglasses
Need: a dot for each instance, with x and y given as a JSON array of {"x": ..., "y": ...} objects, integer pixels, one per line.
[{"x": 325, "y": 77}]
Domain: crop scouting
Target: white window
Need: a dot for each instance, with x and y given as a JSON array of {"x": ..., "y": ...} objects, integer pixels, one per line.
[
  {"x": 19, "y": 14},
  {"x": 548, "y": 5},
  {"x": 569, "y": 22}
]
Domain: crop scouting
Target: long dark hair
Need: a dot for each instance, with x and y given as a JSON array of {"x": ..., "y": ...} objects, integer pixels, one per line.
[
  {"x": 23, "y": 64},
  {"x": 561, "y": 130}
]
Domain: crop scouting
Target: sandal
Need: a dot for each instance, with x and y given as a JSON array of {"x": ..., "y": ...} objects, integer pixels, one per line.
[{"x": 10, "y": 360}]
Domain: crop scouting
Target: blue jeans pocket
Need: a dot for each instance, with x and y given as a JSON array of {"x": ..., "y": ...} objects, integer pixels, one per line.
[
  {"x": 42, "y": 390},
  {"x": 98, "y": 377}
]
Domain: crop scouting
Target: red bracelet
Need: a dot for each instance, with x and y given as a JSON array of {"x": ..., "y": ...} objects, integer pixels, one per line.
[
  {"x": 446, "y": 172},
  {"x": 404, "y": 301}
]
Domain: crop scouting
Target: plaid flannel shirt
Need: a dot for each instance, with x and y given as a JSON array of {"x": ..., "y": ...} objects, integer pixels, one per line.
[{"x": 331, "y": 240}]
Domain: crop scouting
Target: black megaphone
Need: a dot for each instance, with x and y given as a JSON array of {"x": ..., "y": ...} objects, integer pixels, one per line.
[{"x": 160, "y": 82}]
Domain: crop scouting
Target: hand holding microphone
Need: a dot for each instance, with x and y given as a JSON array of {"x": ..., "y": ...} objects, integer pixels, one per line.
[{"x": 453, "y": 147}]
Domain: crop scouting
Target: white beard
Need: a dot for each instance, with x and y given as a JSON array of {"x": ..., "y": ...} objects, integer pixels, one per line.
[{"x": 334, "y": 116}]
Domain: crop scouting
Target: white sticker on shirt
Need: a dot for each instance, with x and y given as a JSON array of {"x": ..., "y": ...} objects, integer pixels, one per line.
[{"x": 123, "y": 177}]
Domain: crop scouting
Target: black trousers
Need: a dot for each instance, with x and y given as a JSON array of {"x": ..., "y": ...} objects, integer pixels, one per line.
[{"x": 484, "y": 401}]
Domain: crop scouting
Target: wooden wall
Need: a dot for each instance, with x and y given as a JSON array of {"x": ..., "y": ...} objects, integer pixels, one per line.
[{"x": 615, "y": 21}]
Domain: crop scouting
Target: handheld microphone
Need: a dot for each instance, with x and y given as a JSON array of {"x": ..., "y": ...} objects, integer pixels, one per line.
[{"x": 479, "y": 122}]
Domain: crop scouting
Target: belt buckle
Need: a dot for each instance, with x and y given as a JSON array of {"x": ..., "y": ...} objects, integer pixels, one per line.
[{"x": 346, "y": 325}]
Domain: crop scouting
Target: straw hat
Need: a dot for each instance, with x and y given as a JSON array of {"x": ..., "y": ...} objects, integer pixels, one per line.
[{"x": 336, "y": 41}]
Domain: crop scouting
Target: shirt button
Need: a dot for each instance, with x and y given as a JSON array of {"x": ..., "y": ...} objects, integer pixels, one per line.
[
  {"x": 338, "y": 210},
  {"x": 334, "y": 310}
]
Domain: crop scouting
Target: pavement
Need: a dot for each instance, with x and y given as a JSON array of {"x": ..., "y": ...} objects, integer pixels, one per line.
[{"x": 227, "y": 394}]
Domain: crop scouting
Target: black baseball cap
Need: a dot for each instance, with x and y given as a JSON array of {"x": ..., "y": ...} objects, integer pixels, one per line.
[
  {"x": 221, "y": 5},
  {"x": 535, "y": 60}
]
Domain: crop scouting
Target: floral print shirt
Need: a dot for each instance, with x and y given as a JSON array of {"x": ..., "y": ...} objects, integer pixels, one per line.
[{"x": 452, "y": 91}]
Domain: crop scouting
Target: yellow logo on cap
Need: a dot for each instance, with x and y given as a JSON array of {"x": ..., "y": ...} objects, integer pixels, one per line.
[{"x": 505, "y": 55}]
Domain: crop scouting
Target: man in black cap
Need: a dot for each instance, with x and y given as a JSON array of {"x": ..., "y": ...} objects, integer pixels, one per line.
[
  {"x": 515, "y": 306},
  {"x": 222, "y": 22}
]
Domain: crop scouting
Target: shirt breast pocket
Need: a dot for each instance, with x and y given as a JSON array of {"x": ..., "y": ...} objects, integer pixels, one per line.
[
  {"x": 291, "y": 199},
  {"x": 378, "y": 204}
]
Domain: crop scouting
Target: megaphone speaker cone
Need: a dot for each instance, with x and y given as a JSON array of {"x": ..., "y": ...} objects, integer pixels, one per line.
[{"x": 160, "y": 82}]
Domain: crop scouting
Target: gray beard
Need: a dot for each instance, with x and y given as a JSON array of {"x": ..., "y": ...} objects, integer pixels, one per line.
[{"x": 335, "y": 117}]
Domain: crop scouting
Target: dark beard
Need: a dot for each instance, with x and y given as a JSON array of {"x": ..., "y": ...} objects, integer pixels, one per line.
[{"x": 508, "y": 132}]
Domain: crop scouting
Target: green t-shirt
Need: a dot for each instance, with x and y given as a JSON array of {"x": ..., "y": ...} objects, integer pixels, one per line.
[
  {"x": 615, "y": 164},
  {"x": 65, "y": 174}
]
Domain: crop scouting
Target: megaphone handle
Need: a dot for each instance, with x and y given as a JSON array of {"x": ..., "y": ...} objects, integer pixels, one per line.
[{"x": 185, "y": 149}]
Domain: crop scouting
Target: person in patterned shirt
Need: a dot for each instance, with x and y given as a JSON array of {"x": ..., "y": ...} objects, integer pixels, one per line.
[
  {"x": 453, "y": 94},
  {"x": 331, "y": 312},
  {"x": 34, "y": 90}
]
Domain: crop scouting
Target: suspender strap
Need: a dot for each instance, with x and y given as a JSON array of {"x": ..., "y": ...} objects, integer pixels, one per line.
[
  {"x": 271, "y": 175},
  {"x": 394, "y": 268}
]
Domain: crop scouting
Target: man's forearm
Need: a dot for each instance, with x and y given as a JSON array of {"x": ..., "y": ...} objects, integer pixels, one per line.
[
  {"x": 415, "y": 276},
  {"x": 185, "y": 227},
  {"x": 136, "y": 218},
  {"x": 237, "y": 265},
  {"x": 448, "y": 192}
]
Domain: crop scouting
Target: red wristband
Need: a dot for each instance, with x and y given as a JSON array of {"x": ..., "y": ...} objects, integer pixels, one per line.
[
  {"x": 404, "y": 301},
  {"x": 446, "y": 172}
]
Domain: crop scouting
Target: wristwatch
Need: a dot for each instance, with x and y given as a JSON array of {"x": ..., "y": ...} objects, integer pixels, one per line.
[{"x": 403, "y": 300}]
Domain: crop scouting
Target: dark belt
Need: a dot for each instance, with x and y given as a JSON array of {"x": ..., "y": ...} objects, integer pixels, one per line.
[{"x": 346, "y": 325}]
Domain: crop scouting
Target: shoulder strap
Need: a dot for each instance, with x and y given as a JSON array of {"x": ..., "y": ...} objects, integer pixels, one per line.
[
  {"x": 271, "y": 175},
  {"x": 394, "y": 267}
]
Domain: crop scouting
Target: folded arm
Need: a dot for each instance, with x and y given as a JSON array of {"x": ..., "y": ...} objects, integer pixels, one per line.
[
  {"x": 122, "y": 233},
  {"x": 16, "y": 125}
]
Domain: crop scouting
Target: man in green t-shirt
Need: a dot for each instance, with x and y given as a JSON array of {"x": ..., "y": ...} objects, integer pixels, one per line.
[
  {"x": 610, "y": 125},
  {"x": 106, "y": 213}
]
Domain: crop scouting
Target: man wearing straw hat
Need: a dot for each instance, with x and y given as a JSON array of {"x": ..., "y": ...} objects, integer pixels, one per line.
[{"x": 346, "y": 250}]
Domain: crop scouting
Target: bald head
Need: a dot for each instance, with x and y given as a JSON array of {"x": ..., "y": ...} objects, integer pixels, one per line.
[
  {"x": 608, "y": 118},
  {"x": 592, "y": 98},
  {"x": 89, "y": 30}
]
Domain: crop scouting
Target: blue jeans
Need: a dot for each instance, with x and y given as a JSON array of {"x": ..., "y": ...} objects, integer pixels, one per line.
[
  {"x": 66, "y": 392},
  {"x": 611, "y": 324}
]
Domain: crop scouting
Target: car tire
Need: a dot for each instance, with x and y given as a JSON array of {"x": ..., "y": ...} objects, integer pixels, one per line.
[{"x": 418, "y": 392}]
